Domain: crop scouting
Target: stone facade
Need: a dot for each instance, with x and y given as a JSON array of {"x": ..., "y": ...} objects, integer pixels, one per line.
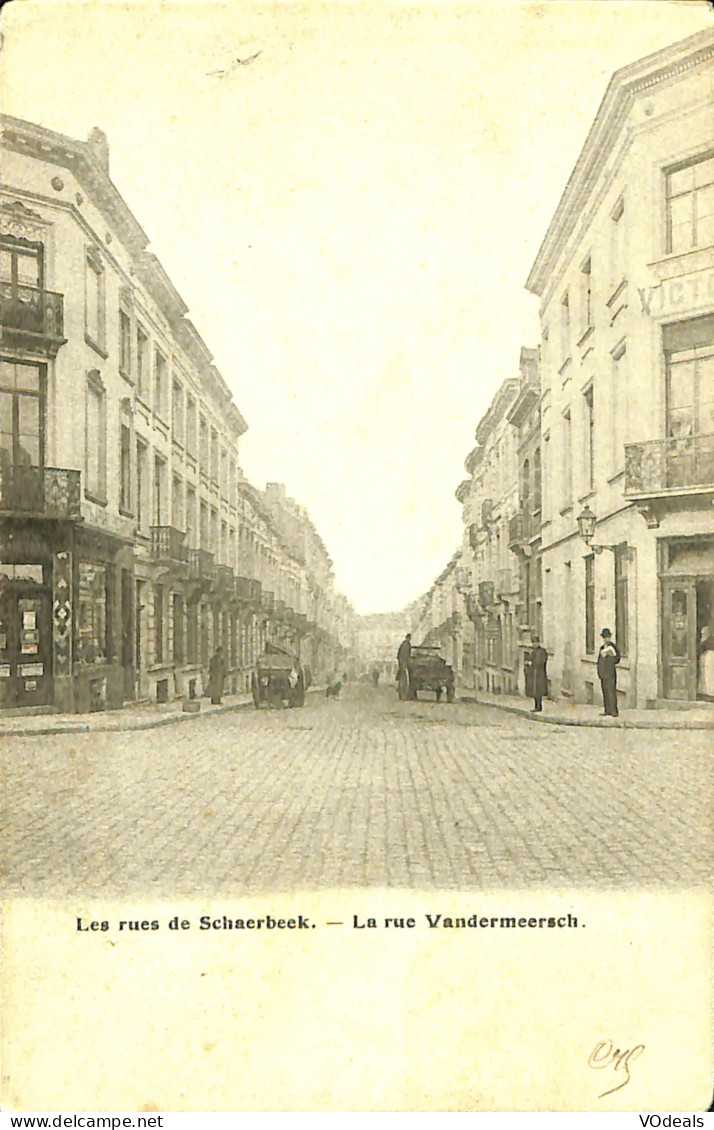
[{"x": 132, "y": 544}]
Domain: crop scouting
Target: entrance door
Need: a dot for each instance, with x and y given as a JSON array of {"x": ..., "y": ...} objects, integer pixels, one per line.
[
  {"x": 25, "y": 646},
  {"x": 679, "y": 642}
]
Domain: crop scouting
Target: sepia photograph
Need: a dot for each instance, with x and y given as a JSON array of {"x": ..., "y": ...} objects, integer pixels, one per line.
[{"x": 356, "y": 555}]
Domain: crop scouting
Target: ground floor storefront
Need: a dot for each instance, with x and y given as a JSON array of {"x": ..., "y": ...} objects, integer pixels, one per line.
[
  {"x": 653, "y": 588},
  {"x": 91, "y": 622}
]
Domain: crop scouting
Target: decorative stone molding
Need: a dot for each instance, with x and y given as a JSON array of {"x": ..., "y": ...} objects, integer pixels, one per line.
[{"x": 20, "y": 222}]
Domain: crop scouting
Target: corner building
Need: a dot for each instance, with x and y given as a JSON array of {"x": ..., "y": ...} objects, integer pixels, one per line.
[
  {"x": 131, "y": 544},
  {"x": 625, "y": 275}
]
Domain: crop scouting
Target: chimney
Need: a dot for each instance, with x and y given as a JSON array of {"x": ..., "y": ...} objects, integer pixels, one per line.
[{"x": 99, "y": 146}]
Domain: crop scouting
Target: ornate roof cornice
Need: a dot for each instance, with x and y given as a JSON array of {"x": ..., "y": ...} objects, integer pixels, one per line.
[{"x": 624, "y": 86}]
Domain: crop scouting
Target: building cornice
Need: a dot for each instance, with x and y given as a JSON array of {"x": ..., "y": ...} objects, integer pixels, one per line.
[{"x": 644, "y": 74}]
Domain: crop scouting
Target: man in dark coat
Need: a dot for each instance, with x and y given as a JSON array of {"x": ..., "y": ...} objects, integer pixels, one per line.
[
  {"x": 607, "y": 660},
  {"x": 405, "y": 653},
  {"x": 216, "y": 676},
  {"x": 539, "y": 677}
]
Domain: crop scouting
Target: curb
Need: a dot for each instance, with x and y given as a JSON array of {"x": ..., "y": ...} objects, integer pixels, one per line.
[
  {"x": 596, "y": 723},
  {"x": 128, "y": 727}
]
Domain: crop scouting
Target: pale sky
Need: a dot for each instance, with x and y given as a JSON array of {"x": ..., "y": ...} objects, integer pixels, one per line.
[{"x": 350, "y": 218}]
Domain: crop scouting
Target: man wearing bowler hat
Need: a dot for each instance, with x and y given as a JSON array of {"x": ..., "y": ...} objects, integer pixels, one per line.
[{"x": 607, "y": 660}]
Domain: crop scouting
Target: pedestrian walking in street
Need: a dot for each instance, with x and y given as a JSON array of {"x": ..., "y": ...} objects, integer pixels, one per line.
[
  {"x": 539, "y": 677},
  {"x": 216, "y": 677},
  {"x": 607, "y": 660}
]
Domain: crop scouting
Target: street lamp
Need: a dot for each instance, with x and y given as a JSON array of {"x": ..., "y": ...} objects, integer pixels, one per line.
[{"x": 586, "y": 528}]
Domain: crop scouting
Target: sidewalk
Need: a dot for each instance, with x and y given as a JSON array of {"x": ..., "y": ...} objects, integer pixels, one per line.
[
  {"x": 143, "y": 716},
  {"x": 563, "y": 713}
]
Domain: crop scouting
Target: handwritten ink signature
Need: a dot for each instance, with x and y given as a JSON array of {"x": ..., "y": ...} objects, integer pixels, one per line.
[{"x": 606, "y": 1054}]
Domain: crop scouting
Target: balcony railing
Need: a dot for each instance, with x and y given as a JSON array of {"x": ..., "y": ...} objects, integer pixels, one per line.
[
  {"x": 50, "y": 492},
  {"x": 31, "y": 310},
  {"x": 248, "y": 589},
  {"x": 669, "y": 464},
  {"x": 167, "y": 544},
  {"x": 200, "y": 563}
]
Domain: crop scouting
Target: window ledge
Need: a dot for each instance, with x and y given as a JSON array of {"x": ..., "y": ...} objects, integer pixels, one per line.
[
  {"x": 590, "y": 329},
  {"x": 616, "y": 292},
  {"x": 617, "y": 476},
  {"x": 127, "y": 377},
  {"x": 94, "y": 498},
  {"x": 126, "y": 513},
  {"x": 566, "y": 510},
  {"x": 97, "y": 348},
  {"x": 564, "y": 366},
  {"x": 586, "y": 497}
]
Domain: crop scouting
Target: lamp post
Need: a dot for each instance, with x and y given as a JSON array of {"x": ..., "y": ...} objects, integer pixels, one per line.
[{"x": 586, "y": 528}]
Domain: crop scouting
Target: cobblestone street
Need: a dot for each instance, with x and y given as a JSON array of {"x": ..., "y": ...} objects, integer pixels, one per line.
[{"x": 365, "y": 791}]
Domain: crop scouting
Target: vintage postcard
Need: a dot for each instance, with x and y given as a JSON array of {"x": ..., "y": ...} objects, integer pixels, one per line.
[{"x": 357, "y": 556}]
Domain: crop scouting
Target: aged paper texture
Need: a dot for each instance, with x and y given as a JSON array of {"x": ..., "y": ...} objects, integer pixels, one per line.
[{"x": 367, "y": 903}]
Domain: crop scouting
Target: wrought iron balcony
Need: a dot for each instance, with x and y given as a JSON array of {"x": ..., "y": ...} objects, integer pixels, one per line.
[
  {"x": 46, "y": 492},
  {"x": 684, "y": 464},
  {"x": 32, "y": 316},
  {"x": 167, "y": 544}
]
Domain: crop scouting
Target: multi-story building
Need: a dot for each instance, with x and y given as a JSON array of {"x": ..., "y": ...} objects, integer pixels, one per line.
[
  {"x": 625, "y": 275},
  {"x": 131, "y": 544},
  {"x": 524, "y": 526},
  {"x": 489, "y": 577},
  {"x": 378, "y": 638},
  {"x": 438, "y": 616}
]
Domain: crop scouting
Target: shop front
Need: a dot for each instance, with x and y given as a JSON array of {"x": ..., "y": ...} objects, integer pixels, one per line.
[{"x": 687, "y": 604}]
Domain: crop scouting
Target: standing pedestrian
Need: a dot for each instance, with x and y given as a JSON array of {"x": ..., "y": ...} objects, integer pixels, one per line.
[
  {"x": 404, "y": 657},
  {"x": 216, "y": 677},
  {"x": 607, "y": 660},
  {"x": 539, "y": 677}
]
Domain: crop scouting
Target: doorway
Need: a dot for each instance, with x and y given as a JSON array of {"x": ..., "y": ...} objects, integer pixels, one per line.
[
  {"x": 688, "y": 637},
  {"x": 25, "y": 637}
]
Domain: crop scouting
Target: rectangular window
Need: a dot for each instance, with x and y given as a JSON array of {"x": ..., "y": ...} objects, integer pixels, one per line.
[
  {"x": 618, "y": 409},
  {"x": 124, "y": 343},
  {"x": 690, "y": 205},
  {"x": 618, "y": 254},
  {"x": 590, "y": 604},
  {"x": 567, "y": 492},
  {"x": 177, "y": 503},
  {"x": 95, "y": 460},
  {"x": 94, "y": 298},
  {"x": 142, "y": 363},
  {"x": 192, "y": 633},
  {"x": 141, "y": 485},
  {"x": 204, "y": 526},
  {"x": 158, "y": 623},
  {"x": 125, "y": 469},
  {"x": 159, "y": 490},
  {"x": 160, "y": 385},
  {"x": 223, "y": 550},
  {"x": 589, "y": 438},
  {"x": 586, "y": 296},
  {"x": 214, "y": 530},
  {"x": 190, "y": 425},
  {"x": 92, "y": 619},
  {"x": 224, "y": 472},
  {"x": 621, "y": 613},
  {"x": 214, "y": 456},
  {"x": 177, "y": 420},
  {"x": 191, "y": 517},
  {"x": 565, "y": 327},
  {"x": 203, "y": 454},
  {"x": 178, "y": 619}
]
